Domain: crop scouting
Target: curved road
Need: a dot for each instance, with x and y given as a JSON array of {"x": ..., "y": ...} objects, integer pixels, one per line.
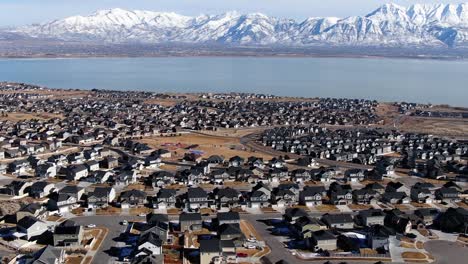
[{"x": 446, "y": 252}]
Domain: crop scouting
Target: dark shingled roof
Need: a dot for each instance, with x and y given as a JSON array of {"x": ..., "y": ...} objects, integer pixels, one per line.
[
  {"x": 228, "y": 216},
  {"x": 211, "y": 246},
  {"x": 190, "y": 217}
]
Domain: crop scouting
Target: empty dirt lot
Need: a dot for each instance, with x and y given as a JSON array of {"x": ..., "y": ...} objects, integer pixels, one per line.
[{"x": 208, "y": 145}]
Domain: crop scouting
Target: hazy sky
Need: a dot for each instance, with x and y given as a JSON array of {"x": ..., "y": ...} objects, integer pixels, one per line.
[{"x": 19, "y": 12}]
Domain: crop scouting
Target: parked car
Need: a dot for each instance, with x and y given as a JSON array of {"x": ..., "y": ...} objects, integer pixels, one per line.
[{"x": 242, "y": 255}]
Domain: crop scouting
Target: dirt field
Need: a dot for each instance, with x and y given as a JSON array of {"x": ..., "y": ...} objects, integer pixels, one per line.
[
  {"x": 209, "y": 145},
  {"x": 438, "y": 126},
  {"x": 16, "y": 117},
  {"x": 387, "y": 112}
]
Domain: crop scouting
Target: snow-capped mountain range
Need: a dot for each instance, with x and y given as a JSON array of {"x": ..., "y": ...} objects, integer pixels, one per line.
[{"x": 389, "y": 25}]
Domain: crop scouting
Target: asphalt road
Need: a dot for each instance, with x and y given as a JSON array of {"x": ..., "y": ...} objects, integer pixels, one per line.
[
  {"x": 447, "y": 252},
  {"x": 115, "y": 229}
]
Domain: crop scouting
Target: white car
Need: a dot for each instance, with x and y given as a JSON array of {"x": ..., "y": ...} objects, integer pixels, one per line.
[
  {"x": 124, "y": 222},
  {"x": 251, "y": 247},
  {"x": 252, "y": 239},
  {"x": 91, "y": 226}
]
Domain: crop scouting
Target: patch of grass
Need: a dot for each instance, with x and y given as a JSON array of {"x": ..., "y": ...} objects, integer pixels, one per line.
[
  {"x": 327, "y": 208},
  {"x": 102, "y": 234},
  {"x": 401, "y": 207},
  {"x": 140, "y": 210},
  {"x": 207, "y": 211},
  {"x": 110, "y": 210},
  {"x": 359, "y": 206},
  {"x": 421, "y": 205},
  {"x": 420, "y": 245},
  {"x": 413, "y": 255},
  {"x": 77, "y": 211},
  {"x": 407, "y": 245},
  {"x": 268, "y": 210},
  {"x": 74, "y": 259},
  {"x": 368, "y": 251},
  {"x": 173, "y": 211}
]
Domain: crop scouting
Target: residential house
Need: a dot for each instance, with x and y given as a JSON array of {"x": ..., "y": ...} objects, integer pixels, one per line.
[
  {"x": 109, "y": 163},
  {"x": 354, "y": 175},
  {"x": 92, "y": 165},
  {"x": 149, "y": 244},
  {"x": 226, "y": 197},
  {"x": 197, "y": 198},
  {"x": 73, "y": 191},
  {"x": 395, "y": 198},
  {"x": 68, "y": 235},
  {"x": 32, "y": 227},
  {"x": 340, "y": 194},
  {"x": 370, "y": 217},
  {"x": 229, "y": 231},
  {"x": 306, "y": 225},
  {"x": 378, "y": 237},
  {"x": 49, "y": 255},
  {"x": 76, "y": 172},
  {"x": 101, "y": 197},
  {"x": 420, "y": 194},
  {"x": 33, "y": 209},
  {"x": 312, "y": 195},
  {"x": 41, "y": 189},
  {"x": 132, "y": 198},
  {"x": 47, "y": 170},
  {"x": 62, "y": 202},
  {"x": 210, "y": 251},
  {"x": 228, "y": 218},
  {"x": 259, "y": 196},
  {"x": 340, "y": 221},
  {"x": 16, "y": 188},
  {"x": 427, "y": 215},
  {"x": 283, "y": 197},
  {"x": 365, "y": 196},
  {"x": 292, "y": 214},
  {"x": 448, "y": 195},
  {"x": 322, "y": 239},
  {"x": 166, "y": 198},
  {"x": 190, "y": 222}
]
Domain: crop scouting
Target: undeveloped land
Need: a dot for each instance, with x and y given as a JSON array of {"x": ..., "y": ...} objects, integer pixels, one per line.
[
  {"x": 438, "y": 126},
  {"x": 208, "y": 145},
  {"x": 17, "y": 117}
]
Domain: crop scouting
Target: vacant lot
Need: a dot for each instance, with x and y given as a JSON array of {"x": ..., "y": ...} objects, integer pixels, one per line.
[
  {"x": 439, "y": 126},
  {"x": 208, "y": 145},
  {"x": 16, "y": 117}
]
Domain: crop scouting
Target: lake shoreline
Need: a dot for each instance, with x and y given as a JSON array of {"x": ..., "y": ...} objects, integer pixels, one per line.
[
  {"x": 410, "y": 80},
  {"x": 118, "y": 56}
]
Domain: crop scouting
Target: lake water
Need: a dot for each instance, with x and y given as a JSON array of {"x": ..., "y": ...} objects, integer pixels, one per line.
[{"x": 434, "y": 81}]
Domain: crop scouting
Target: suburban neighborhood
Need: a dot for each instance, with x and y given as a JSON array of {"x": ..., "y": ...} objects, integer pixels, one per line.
[{"x": 100, "y": 176}]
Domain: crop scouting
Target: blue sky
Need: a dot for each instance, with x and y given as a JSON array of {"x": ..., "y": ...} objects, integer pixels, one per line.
[{"x": 20, "y": 12}]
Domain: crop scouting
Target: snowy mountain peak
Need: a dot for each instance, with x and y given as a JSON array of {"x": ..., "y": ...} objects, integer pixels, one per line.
[
  {"x": 388, "y": 11},
  {"x": 388, "y": 25}
]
